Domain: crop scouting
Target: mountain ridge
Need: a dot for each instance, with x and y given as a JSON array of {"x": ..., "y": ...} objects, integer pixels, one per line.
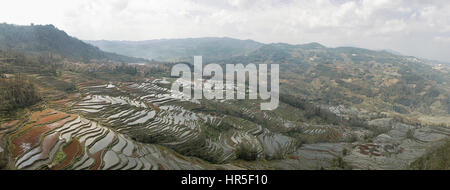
[
  {"x": 148, "y": 48},
  {"x": 42, "y": 39},
  {"x": 212, "y": 48}
]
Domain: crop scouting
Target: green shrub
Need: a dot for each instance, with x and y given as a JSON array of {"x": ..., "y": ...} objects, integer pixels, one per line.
[
  {"x": 339, "y": 163},
  {"x": 59, "y": 157},
  {"x": 3, "y": 161},
  {"x": 410, "y": 134},
  {"x": 246, "y": 152},
  {"x": 434, "y": 159},
  {"x": 3, "y": 164},
  {"x": 17, "y": 92}
]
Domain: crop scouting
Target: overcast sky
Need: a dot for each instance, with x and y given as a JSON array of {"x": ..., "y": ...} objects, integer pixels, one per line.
[{"x": 412, "y": 27}]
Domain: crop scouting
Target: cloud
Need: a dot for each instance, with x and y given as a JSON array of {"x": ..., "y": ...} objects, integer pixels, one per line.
[
  {"x": 442, "y": 39},
  {"x": 412, "y": 27}
]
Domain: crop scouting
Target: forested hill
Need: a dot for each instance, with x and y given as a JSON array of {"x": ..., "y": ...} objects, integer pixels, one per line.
[{"x": 39, "y": 39}]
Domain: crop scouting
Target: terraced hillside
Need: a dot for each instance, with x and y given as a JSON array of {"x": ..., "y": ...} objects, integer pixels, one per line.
[
  {"x": 340, "y": 108},
  {"x": 150, "y": 113},
  {"x": 141, "y": 125},
  {"x": 54, "y": 140}
]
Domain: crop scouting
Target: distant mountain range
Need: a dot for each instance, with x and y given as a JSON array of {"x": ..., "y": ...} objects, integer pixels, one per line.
[
  {"x": 38, "y": 39},
  {"x": 212, "y": 49},
  {"x": 431, "y": 61}
]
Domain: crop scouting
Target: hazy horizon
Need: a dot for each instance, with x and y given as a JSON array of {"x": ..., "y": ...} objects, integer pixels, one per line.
[{"x": 413, "y": 28}]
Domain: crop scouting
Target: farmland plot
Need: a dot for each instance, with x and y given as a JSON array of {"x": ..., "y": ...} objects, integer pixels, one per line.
[
  {"x": 150, "y": 113},
  {"x": 73, "y": 142}
]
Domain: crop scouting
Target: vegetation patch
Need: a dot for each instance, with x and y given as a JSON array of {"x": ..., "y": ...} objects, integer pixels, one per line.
[
  {"x": 59, "y": 157},
  {"x": 245, "y": 151},
  {"x": 16, "y": 93},
  {"x": 435, "y": 159}
]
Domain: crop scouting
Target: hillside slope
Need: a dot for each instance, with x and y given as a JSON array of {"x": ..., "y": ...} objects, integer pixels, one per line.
[
  {"x": 42, "y": 39},
  {"x": 373, "y": 80}
]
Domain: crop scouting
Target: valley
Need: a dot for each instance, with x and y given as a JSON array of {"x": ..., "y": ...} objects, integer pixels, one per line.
[{"x": 340, "y": 108}]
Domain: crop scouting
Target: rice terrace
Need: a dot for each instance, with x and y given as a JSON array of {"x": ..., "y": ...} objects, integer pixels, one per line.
[{"x": 118, "y": 85}]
